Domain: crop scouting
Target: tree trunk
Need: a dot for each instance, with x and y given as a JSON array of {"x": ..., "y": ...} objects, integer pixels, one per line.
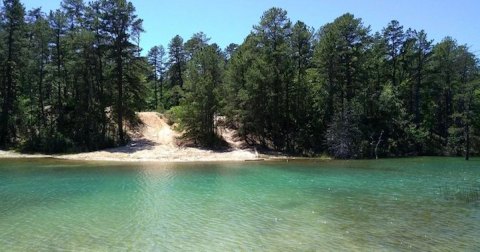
[
  {"x": 161, "y": 88},
  {"x": 155, "y": 82},
  {"x": 417, "y": 93},
  {"x": 394, "y": 73},
  {"x": 378, "y": 143},
  {"x": 120, "y": 95},
  {"x": 59, "y": 88},
  {"x": 40, "y": 91},
  {"x": 467, "y": 149}
]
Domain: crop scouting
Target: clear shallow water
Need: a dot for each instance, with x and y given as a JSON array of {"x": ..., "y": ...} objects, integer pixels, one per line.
[{"x": 396, "y": 204}]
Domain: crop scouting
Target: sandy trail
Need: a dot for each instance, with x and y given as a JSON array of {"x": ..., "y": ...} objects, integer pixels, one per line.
[{"x": 155, "y": 140}]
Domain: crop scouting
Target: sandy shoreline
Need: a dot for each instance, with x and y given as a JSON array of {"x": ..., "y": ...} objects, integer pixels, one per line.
[
  {"x": 186, "y": 155},
  {"x": 12, "y": 154},
  {"x": 162, "y": 154},
  {"x": 156, "y": 141}
]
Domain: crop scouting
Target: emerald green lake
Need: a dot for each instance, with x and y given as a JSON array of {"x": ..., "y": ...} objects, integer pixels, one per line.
[{"x": 426, "y": 204}]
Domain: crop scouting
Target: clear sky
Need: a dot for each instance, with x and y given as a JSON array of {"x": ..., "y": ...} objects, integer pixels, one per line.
[{"x": 227, "y": 21}]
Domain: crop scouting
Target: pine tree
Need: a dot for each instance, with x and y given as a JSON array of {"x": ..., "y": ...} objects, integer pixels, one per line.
[
  {"x": 201, "y": 103},
  {"x": 301, "y": 115},
  {"x": 34, "y": 91},
  {"x": 121, "y": 23},
  {"x": 156, "y": 58},
  {"x": 13, "y": 25},
  {"x": 272, "y": 34},
  {"x": 394, "y": 39},
  {"x": 176, "y": 54}
]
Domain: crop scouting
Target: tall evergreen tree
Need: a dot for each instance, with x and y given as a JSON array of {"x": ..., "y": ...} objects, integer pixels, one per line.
[
  {"x": 464, "y": 102},
  {"x": 177, "y": 64},
  {"x": 198, "y": 41},
  {"x": 13, "y": 25},
  {"x": 422, "y": 50},
  {"x": 121, "y": 23},
  {"x": 443, "y": 66},
  {"x": 201, "y": 103},
  {"x": 273, "y": 33},
  {"x": 176, "y": 54},
  {"x": 35, "y": 90},
  {"x": 394, "y": 39},
  {"x": 340, "y": 57},
  {"x": 58, "y": 23},
  {"x": 301, "y": 114},
  {"x": 156, "y": 58}
]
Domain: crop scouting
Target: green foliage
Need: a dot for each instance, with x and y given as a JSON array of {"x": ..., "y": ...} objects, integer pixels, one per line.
[
  {"x": 157, "y": 61},
  {"x": 201, "y": 99},
  {"x": 71, "y": 79},
  {"x": 176, "y": 61},
  {"x": 13, "y": 60},
  {"x": 79, "y": 75}
]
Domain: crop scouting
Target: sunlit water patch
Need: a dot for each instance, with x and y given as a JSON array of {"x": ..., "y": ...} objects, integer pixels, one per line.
[{"x": 398, "y": 204}]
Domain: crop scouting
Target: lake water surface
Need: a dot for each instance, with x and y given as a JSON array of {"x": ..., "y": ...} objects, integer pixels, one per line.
[{"x": 428, "y": 204}]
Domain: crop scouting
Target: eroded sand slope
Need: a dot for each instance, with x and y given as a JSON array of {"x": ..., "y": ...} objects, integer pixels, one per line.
[{"x": 155, "y": 140}]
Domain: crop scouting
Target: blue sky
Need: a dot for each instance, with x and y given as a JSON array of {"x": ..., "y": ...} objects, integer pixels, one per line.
[{"x": 226, "y": 21}]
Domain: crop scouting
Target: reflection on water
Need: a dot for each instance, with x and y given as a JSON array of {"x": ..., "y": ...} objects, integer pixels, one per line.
[{"x": 396, "y": 204}]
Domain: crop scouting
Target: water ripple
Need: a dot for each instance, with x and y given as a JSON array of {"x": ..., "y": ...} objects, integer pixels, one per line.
[{"x": 367, "y": 206}]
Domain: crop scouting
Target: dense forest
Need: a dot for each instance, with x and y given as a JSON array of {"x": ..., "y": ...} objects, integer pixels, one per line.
[{"x": 72, "y": 79}]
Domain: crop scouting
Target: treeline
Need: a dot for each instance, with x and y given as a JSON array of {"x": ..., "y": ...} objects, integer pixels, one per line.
[
  {"x": 341, "y": 90},
  {"x": 71, "y": 79}
]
